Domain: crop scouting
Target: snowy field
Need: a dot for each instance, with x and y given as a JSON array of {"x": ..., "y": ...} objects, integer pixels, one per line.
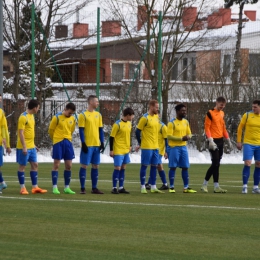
[{"x": 195, "y": 157}]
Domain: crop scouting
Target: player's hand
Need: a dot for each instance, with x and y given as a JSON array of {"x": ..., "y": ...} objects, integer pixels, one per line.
[
  {"x": 8, "y": 150},
  {"x": 185, "y": 138},
  {"x": 212, "y": 144},
  {"x": 137, "y": 148},
  {"x": 25, "y": 151},
  {"x": 37, "y": 149},
  {"x": 102, "y": 148},
  {"x": 165, "y": 156},
  {"x": 239, "y": 146},
  {"x": 84, "y": 147},
  {"x": 111, "y": 154},
  {"x": 229, "y": 144}
]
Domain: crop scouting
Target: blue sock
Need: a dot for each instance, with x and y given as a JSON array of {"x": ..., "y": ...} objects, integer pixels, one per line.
[
  {"x": 115, "y": 177},
  {"x": 163, "y": 176},
  {"x": 171, "y": 177},
  {"x": 34, "y": 177},
  {"x": 54, "y": 176},
  {"x": 67, "y": 176},
  {"x": 94, "y": 178},
  {"x": 153, "y": 172},
  {"x": 245, "y": 174},
  {"x": 121, "y": 177},
  {"x": 1, "y": 177},
  {"x": 185, "y": 178},
  {"x": 82, "y": 177},
  {"x": 20, "y": 177},
  {"x": 143, "y": 174},
  {"x": 256, "y": 176}
]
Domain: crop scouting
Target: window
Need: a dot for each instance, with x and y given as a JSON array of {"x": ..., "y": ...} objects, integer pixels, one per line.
[
  {"x": 254, "y": 65},
  {"x": 226, "y": 65},
  {"x": 132, "y": 69},
  {"x": 69, "y": 74},
  {"x": 117, "y": 72},
  {"x": 193, "y": 68},
  {"x": 175, "y": 69},
  {"x": 185, "y": 69}
]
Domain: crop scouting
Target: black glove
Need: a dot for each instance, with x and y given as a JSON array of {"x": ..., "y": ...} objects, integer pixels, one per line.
[
  {"x": 84, "y": 147},
  {"x": 101, "y": 148}
]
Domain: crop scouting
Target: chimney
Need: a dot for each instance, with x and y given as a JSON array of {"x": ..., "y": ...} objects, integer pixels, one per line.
[
  {"x": 141, "y": 16},
  {"x": 226, "y": 16},
  {"x": 251, "y": 15},
  {"x": 214, "y": 21},
  {"x": 111, "y": 28},
  {"x": 61, "y": 31},
  {"x": 189, "y": 16},
  {"x": 80, "y": 30}
]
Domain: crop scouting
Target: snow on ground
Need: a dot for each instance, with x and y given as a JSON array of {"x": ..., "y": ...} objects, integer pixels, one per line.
[{"x": 195, "y": 157}]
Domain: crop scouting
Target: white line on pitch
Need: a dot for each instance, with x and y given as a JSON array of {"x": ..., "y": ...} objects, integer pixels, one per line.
[{"x": 131, "y": 203}]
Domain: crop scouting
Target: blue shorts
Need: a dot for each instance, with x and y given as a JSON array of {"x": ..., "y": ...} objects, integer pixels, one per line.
[
  {"x": 1, "y": 155},
  {"x": 250, "y": 151},
  {"x": 63, "y": 150},
  {"x": 22, "y": 159},
  {"x": 178, "y": 157},
  {"x": 149, "y": 157},
  {"x": 119, "y": 160},
  {"x": 92, "y": 156},
  {"x": 160, "y": 159}
]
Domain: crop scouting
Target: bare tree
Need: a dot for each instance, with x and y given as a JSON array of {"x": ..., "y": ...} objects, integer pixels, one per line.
[
  {"x": 235, "y": 77},
  {"x": 175, "y": 32}
]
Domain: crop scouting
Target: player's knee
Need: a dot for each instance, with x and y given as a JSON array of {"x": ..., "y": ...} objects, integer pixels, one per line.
[
  {"x": 159, "y": 167},
  {"x": 248, "y": 163}
]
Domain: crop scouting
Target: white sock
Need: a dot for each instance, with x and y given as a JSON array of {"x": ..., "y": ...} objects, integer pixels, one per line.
[
  {"x": 153, "y": 187},
  {"x": 245, "y": 186},
  {"x": 22, "y": 185},
  {"x": 120, "y": 188},
  {"x": 205, "y": 182},
  {"x": 216, "y": 185},
  {"x": 67, "y": 186},
  {"x": 165, "y": 184},
  {"x": 55, "y": 186},
  {"x": 255, "y": 187},
  {"x": 35, "y": 186},
  {"x": 142, "y": 186}
]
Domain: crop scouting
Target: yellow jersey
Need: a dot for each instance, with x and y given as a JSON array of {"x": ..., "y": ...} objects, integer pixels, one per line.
[
  {"x": 3, "y": 128},
  {"x": 62, "y": 127},
  {"x": 250, "y": 122},
  {"x": 26, "y": 122},
  {"x": 121, "y": 131},
  {"x": 162, "y": 134},
  {"x": 149, "y": 131},
  {"x": 91, "y": 121},
  {"x": 178, "y": 128}
]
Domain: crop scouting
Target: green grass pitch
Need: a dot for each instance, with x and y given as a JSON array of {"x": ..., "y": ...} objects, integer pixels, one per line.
[{"x": 134, "y": 226}]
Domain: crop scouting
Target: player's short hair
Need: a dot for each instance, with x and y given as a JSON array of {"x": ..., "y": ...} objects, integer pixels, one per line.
[
  {"x": 152, "y": 103},
  {"x": 179, "y": 107},
  {"x": 256, "y": 102},
  {"x": 33, "y": 103},
  {"x": 128, "y": 111},
  {"x": 91, "y": 97},
  {"x": 70, "y": 106},
  {"x": 221, "y": 100}
]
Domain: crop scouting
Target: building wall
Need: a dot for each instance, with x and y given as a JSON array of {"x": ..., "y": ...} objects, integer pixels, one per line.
[{"x": 208, "y": 65}]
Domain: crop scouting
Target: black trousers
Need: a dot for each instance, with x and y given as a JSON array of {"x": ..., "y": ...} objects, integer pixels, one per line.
[{"x": 215, "y": 160}]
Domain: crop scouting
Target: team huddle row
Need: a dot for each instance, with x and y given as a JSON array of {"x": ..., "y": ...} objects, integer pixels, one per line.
[{"x": 155, "y": 139}]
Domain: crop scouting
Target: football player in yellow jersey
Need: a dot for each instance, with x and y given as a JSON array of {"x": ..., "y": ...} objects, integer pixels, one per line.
[
  {"x": 92, "y": 143},
  {"x": 60, "y": 130},
  {"x": 4, "y": 141},
  {"x": 26, "y": 149},
  {"x": 163, "y": 144},
  {"x": 120, "y": 146},
  {"x": 250, "y": 122},
  {"x": 178, "y": 134},
  {"x": 147, "y": 137}
]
